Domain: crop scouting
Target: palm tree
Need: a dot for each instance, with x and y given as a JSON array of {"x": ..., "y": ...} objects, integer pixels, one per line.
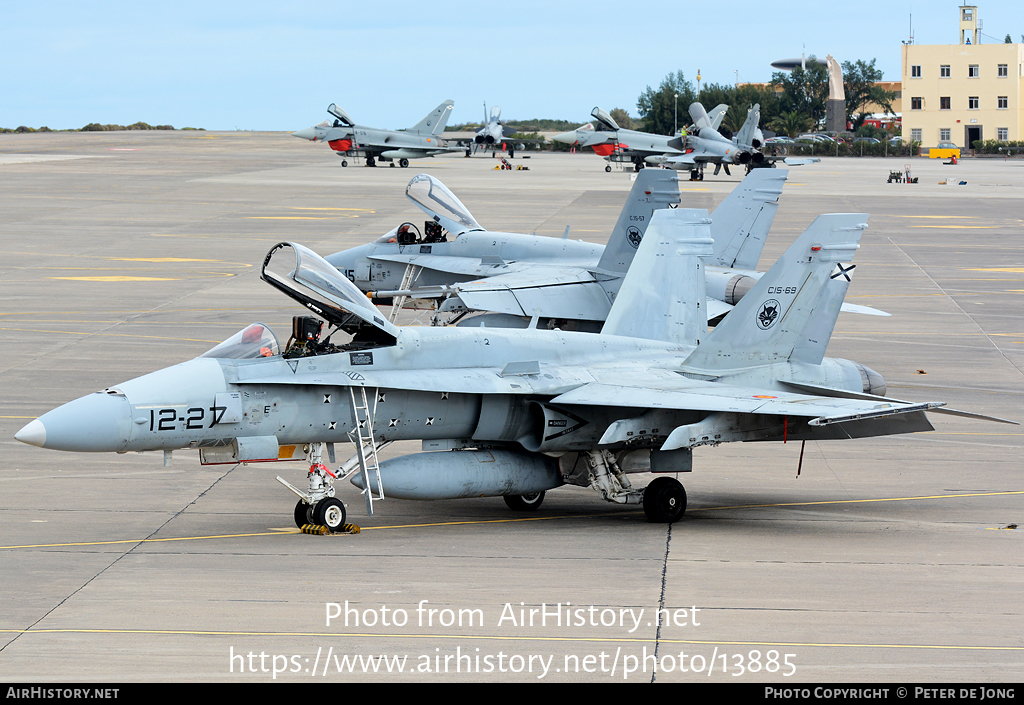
[{"x": 792, "y": 123}]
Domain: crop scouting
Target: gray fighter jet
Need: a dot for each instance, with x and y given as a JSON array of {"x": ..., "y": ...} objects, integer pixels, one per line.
[
  {"x": 514, "y": 413},
  {"x": 691, "y": 150},
  {"x": 564, "y": 283},
  {"x": 351, "y": 140},
  {"x": 703, "y": 144},
  {"x": 617, "y": 144},
  {"x": 493, "y": 131}
]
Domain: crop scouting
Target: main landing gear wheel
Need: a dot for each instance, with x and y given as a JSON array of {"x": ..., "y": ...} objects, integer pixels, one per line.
[
  {"x": 330, "y": 512},
  {"x": 370, "y": 161},
  {"x": 344, "y": 162},
  {"x": 664, "y": 501},
  {"x": 302, "y": 514},
  {"x": 403, "y": 162},
  {"x": 524, "y": 502}
]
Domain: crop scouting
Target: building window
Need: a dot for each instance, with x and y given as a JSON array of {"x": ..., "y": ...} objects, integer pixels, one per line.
[
  {"x": 968, "y": 14},
  {"x": 1004, "y": 102},
  {"x": 915, "y": 72},
  {"x": 943, "y": 134},
  {"x": 1003, "y": 71},
  {"x": 944, "y": 71},
  {"x": 972, "y": 71},
  {"x": 915, "y": 134},
  {"x": 972, "y": 102},
  {"x": 944, "y": 103},
  {"x": 1003, "y": 134},
  {"x": 915, "y": 103}
]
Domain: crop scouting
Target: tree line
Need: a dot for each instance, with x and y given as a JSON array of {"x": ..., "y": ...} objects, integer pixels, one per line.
[{"x": 791, "y": 103}]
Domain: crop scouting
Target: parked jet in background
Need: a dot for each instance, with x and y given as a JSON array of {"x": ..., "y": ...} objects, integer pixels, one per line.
[
  {"x": 514, "y": 413},
  {"x": 703, "y": 144},
  {"x": 618, "y": 144},
  {"x": 691, "y": 150},
  {"x": 351, "y": 140},
  {"x": 493, "y": 132}
]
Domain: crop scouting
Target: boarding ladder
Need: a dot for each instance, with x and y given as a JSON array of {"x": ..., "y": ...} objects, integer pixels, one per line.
[
  {"x": 412, "y": 273},
  {"x": 366, "y": 448}
]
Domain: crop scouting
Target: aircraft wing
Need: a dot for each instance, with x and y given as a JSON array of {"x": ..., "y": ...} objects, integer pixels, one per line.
[
  {"x": 456, "y": 381},
  {"x": 698, "y": 395},
  {"x": 800, "y": 161},
  {"x": 466, "y": 266},
  {"x": 556, "y": 292}
]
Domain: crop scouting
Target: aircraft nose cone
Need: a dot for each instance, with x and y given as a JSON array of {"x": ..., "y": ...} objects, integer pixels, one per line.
[
  {"x": 97, "y": 422},
  {"x": 307, "y": 134},
  {"x": 566, "y": 137},
  {"x": 34, "y": 434}
]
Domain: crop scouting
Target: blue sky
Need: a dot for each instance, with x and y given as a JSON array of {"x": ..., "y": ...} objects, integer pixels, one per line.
[{"x": 273, "y": 66}]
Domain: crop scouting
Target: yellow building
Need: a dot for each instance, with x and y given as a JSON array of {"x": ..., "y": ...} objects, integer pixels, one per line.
[{"x": 963, "y": 92}]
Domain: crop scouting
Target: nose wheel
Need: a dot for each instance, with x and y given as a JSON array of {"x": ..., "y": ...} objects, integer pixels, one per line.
[{"x": 330, "y": 512}]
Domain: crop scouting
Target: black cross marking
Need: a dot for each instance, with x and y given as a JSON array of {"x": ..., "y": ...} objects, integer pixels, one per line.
[
  {"x": 327, "y": 398},
  {"x": 843, "y": 271},
  {"x": 334, "y": 424},
  {"x": 380, "y": 396},
  {"x": 430, "y": 420},
  {"x": 444, "y": 395},
  {"x": 394, "y": 422}
]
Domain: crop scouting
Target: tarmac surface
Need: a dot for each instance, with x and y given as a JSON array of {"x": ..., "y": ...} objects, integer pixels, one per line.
[{"x": 894, "y": 560}]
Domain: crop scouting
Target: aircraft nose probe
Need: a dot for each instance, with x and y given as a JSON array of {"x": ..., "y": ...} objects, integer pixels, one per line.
[{"x": 307, "y": 133}]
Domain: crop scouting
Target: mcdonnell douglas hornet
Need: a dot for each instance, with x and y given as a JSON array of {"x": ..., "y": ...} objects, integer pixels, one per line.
[
  {"x": 349, "y": 140},
  {"x": 507, "y": 412},
  {"x": 456, "y": 267}
]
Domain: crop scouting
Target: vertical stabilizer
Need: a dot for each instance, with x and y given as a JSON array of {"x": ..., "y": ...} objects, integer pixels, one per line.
[
  {"x": 745, "y": 137},
  {"x": 663, "y": 295},
  {"x": 436, "y": 120},
  {"x": 790, "y": 303},
  {"x": 818, "y": 331},
  {"x": 654, "y": 189},
  {"x": 741, "y": 222}
]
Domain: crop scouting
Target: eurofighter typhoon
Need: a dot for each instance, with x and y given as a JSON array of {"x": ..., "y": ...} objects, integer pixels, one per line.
[{"x": 512, "y": 412}]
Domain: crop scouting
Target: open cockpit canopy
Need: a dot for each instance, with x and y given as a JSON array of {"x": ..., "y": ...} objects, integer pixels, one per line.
[
  {"x": 440, "y": 204},
  {"x": 341, "y": 115},
  {"x": 312, "y": 281}
]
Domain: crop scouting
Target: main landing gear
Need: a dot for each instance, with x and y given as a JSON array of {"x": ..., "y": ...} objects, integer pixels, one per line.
[{"x": 664, "y": 500}]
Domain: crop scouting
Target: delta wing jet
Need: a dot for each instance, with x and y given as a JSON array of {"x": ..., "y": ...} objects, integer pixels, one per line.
[
  {"x": 349, "y": 140},
  {"x": 703, "y": 144},
  {"x": 514, "y": 413},
  {"x": 493, "y": 131},
  {"x": 563, "y": 283},
  {"x": 618, "y": 144}
]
